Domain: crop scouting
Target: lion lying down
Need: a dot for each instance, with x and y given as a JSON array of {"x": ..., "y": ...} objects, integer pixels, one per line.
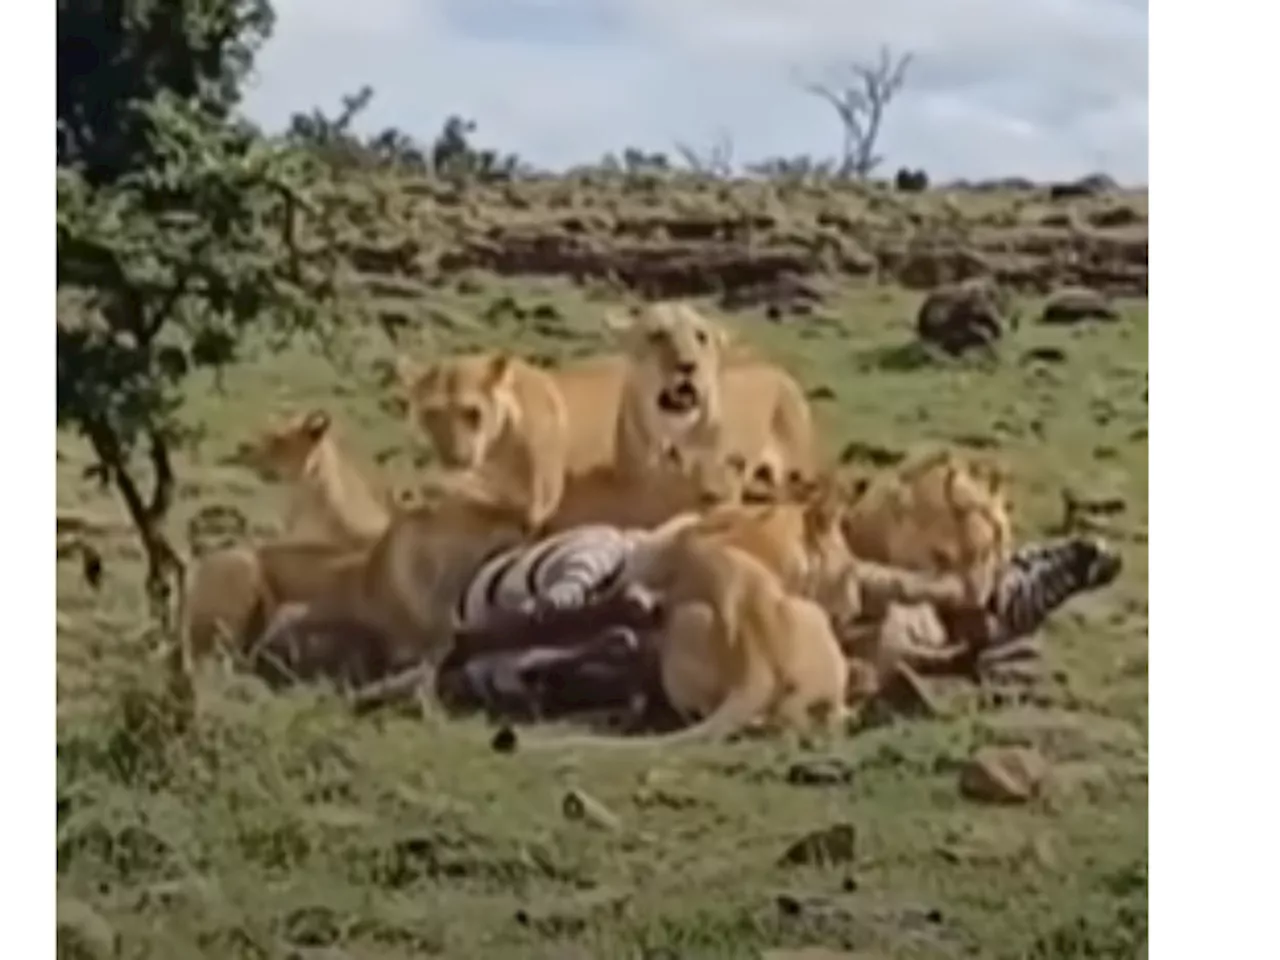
[{"x": 598, "y": 651}]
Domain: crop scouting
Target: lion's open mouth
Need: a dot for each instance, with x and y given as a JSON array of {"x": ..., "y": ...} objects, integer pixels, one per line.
[{"x": 678, "y": 398}]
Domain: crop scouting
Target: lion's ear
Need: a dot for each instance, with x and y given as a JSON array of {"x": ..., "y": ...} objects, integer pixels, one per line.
[
  {"x": 501, "y": 369},
  {"x": 410, "y": 372},
  {"x": 721, "y": 335},
  {"x": 316, "y": 424},
  {"x": 856, "y": 484},
  {"x": 619, "y": 321}
]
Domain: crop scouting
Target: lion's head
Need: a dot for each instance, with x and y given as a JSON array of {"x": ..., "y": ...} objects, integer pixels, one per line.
[
  {"x": 942, "y": 512},
  {"x": 714, "y": 478},
  {"x": 283, "y": 449},
  {"x": 676, "y": 356},
  {"x": 462, "y": 403},
  {"x": 800, "y": 535}
]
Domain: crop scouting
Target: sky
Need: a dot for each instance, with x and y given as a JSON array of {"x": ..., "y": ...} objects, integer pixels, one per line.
[{"x": 1044, "y": 89}]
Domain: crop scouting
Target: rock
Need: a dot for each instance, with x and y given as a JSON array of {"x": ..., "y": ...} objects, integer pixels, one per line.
[
  {"x": 786, "y": 293},
  {"x": 831, "y": 845},
  {"x": 579, "y": 805},
  {"x": 1071, "y": 305},
  {"x": 904, "y": 691},
  {"x": 1003, "y": 775},
  {"x": 504, "y": 740},
  {"x": 1090, "y": 186},
  {"x": 825, "y": 771},
  {"x": 1045, "y": 355},
  {"x": 569, "y": 916},
  {"x": 1120, "y": 215},
  {"x": 961, "y": 317},
  {"x": 927, "y": 268}
]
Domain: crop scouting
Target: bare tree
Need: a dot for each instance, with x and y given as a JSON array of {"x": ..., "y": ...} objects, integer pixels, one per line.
[
  {"x": 860, "y": 103},
  {"x": 715, "y": 161}
]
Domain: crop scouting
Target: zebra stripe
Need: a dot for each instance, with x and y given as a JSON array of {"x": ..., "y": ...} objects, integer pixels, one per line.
[
  {"x": 564, "y": 572},
  {"x": 1040, "y": 578}
]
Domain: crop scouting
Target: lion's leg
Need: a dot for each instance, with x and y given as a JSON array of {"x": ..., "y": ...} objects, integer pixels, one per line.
[
  {"x": 813, "y": 673},
  {"x": 690, "y": 666},
  {"x": 882, "y": 585},
  {"x": 914, "y": 635},
  {"x": 226, "y": 600}
]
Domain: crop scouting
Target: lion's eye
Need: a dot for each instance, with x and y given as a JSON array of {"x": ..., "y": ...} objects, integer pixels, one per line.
[
  {"x": 701, "y": 337},
  {"x": 656, "y": 336},
  {"x": 470, "y": 416}
]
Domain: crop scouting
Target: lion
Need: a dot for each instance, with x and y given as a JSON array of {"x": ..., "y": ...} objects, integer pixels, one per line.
[
  {"x": 802, "y": 542},
  {"x": 929, "y": 538},
  {"x": 498, "y": 416},
  {"x": 332, "y": 499},
  {"x": 592, "y": 390},
  {"x": 672, "y": 388},
  {"x": 939, "y": 511},
  {"x": 404, "y": 584},
  {"x": 684, "y": 379},
  {"x": 766, "y": 653}
]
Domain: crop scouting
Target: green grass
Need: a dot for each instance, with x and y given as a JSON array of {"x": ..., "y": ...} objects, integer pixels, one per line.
[{"x": 281, "y": 827}]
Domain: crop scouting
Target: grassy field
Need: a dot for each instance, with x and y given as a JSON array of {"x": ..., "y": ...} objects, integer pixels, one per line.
[{"x": 281, "y": 827}]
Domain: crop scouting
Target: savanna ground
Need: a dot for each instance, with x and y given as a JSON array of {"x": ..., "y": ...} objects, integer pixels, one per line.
[{"x": 283, "y": 827}]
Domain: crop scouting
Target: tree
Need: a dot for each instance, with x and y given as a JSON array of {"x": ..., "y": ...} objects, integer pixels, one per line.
[
  {"x": 860, "y": 103},
  {"x": 179, "y": 227},
  {"x": 791, "y": 168},
  {"x": 454, "y": 156},
  {"x": 715, "y": 161},
  {"x": 332, "y": 139}
]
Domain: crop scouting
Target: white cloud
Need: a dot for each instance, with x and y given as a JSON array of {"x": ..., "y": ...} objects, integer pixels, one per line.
[{"x": 1042, "y": 88}]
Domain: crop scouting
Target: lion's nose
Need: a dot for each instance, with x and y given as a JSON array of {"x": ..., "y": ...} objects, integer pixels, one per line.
[{"x": 685, "y": 368}]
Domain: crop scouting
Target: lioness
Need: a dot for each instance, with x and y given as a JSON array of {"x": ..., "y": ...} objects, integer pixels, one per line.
[
  {"x": 405, "y": 583},
  {"x": 331, "y": 500},
  {"x": 939, "y": 511},
  {"x": 802, "y": 542},
  {"x": 498, "y": 416},
  {"x": 765, "y": 651},
  {"x": 680, "y": 378}
]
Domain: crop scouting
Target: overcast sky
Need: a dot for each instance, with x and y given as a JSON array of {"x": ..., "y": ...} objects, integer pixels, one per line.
[{"x": 1039, "y": 88}]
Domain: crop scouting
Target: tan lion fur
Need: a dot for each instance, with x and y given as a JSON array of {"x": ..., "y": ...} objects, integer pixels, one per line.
[
  {"x": 670, "y": 347},
  {"x": 803, "y": 543},
  {"x": 331, "y": 499},
  {"x": 685, "y": 481},
  {"x": 745, "y": 405},
  {"x": 940, "y": 511},
  {"x": 498, "y": 416},
  {"x": 592, "y": 391},
  {"x": 405, "y": 583},
  {"x": 763, "y": 652}
]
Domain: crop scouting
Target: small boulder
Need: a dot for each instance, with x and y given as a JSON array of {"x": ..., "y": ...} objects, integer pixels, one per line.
[
  {"x": 1076, "y": 305},
  {"x": 1090, "y": 186},
  {"x": 1003, "y": 774},
  {"x": 961, "y": 317},
  {"x": 833, "y": 845}
]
